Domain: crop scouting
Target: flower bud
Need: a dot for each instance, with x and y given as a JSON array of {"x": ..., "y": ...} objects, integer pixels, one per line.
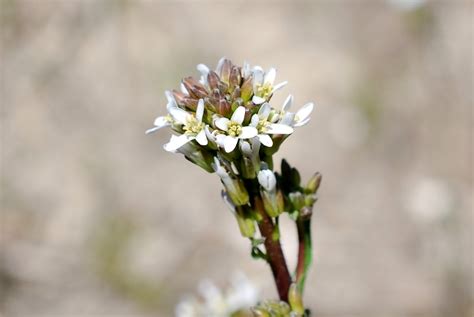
[
  {"x": 297, "y": 200},
  {"x": 246, "y": 224},
  {"x": 197, "y": 156},
  {"x": 250, "y": 162},
  {"x": 225, "y": 71},
  {"x": 234, "y": 186},
  {"x": 213, "y": 80},
  {"x": 295, "y": 299},
  {"x": 234, "y": 78},
  {"x": 267, "y": 180},
  {"x": 271, "y": 201},
  {"x": 194, "y": 87},
  {"x": 246, "y": 90},
  {"x": 313, "y": 183},
  {"x": 223, "y": 108}
]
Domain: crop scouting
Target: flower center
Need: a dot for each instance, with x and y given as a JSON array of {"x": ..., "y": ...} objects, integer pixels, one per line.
[
  {"x": 264, "y": 90},
  {"x": 193, "y": 126},
  {"x": 262, "y": 125},
  {"x": 234, "y": 129}
]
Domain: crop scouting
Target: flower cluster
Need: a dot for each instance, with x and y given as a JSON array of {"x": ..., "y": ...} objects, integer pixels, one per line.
[
  {"x": 225, "y": 123},
  {"x": 227, "y": 113}
]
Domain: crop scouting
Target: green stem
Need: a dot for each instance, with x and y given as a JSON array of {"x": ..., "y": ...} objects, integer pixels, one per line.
[{"x": 305, "y": 251}]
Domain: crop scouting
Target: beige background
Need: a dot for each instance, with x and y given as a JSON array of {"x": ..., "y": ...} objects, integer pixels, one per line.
[{"x": 97, "y": 220}]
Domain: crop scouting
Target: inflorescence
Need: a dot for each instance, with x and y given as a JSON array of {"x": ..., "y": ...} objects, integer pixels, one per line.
[{"x": 224, "y": 122}]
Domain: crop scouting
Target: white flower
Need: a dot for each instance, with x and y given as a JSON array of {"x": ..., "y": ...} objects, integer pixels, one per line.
[
  {"x": 263, "y": 84},
  {"x": 192, "y": 125},
  {"x": 233, "y": 130},
  {"x": 213, "y": 302},
  {"x": 265, "y": 127},
  {"x": 164, "y": 121},
  {"x": 267, "y": 180},
  {"x": 298, "y": 119}
]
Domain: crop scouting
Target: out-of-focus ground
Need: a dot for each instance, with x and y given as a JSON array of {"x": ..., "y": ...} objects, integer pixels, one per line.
[{"x": 98, "y": 220}]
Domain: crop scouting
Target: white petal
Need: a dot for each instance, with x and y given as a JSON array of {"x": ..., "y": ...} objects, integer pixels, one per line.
[
  {"x": 254, "y": 120},
  {"x": 220, "y": 139},
  {"x": 176, "y": 142},
  {"x": 264, "y": 111},
  {"x": 230, "y": 143},
  {"x": 179, "y": 115},
  {"x": 246, "y": 70},
  {"x": 258, "y": 100},
  {"x": 170, "y": 98},
  {"x": 304, "y": 112},
  {"x": 239, "y": 115},
  {"x": 201, "y": 138},
  {"x": 209, "y": 134},
  {"x": 265, "y": 139},
  {"x": 183, "y": 89},
  {"x": 279, "y": 86},
  {"x": 287, "y": 103},
  {"x": 222, "y": 123},
  {"x": 203, "y": 69},
  {"x": 171, "y": 105},
  {"x": 270, "y": 76},
  {"x": 257, "y": 77},
  {"x": 219, "y": 65},
  {"x": 161, "y": 122},
  {"x": 200, "y": 110},
  {"x": 276, "y": 128},
  {"x": 152, "y": 130},
  {"x": 288, "y": 118},
  {"x": 302, "y": 123},
  {"x": 248, "y": 133}
]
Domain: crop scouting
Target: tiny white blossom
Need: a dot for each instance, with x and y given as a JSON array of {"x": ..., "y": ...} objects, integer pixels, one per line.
[
  {"x": 192, "y": 125},
  {"x": 263, "y": 84},
  {"x": 298, "y": 119},
  {"x": 233, "y": 130},
  {"x": 265, "y": 127}
]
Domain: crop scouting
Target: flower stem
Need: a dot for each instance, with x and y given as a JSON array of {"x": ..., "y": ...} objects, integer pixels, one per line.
[
  {"x": 305, "y": 252},
  {"x": 275, "y": 256}
]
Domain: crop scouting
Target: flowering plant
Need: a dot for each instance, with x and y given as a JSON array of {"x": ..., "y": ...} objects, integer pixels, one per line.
[{"x": 224, "y": 123}]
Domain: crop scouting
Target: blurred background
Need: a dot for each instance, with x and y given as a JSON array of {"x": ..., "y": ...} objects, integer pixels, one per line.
[{"x": 98, "y": 220}]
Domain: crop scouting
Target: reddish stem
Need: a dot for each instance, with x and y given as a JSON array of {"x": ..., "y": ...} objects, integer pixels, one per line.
[{"x": 275, "y": 255}]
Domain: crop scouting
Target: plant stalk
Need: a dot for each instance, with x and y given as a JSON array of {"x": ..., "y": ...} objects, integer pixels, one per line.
[
  {"x": 275, "y": 256},
  {"x": 305, "y": 252}
]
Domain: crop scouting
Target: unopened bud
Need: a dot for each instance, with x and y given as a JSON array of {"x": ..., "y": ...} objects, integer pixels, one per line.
[
  {"x": 223, "y": 107},
  {"x": 297, "y": 199},
  {"x": 198, "y": 156},
  {"x": 234, "y": 78},
  {"x": 313, "y": 183},
  {"x": 246, "y": 90},
  {"x": 246, "y": 224},
  {"x": 213, "y": 80},
  {"x": 194, "y": 87},
  {"x": 267, "y": 180},
  {"x": 225, "y": 71},
  {"x": 234, "y": 186}
]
